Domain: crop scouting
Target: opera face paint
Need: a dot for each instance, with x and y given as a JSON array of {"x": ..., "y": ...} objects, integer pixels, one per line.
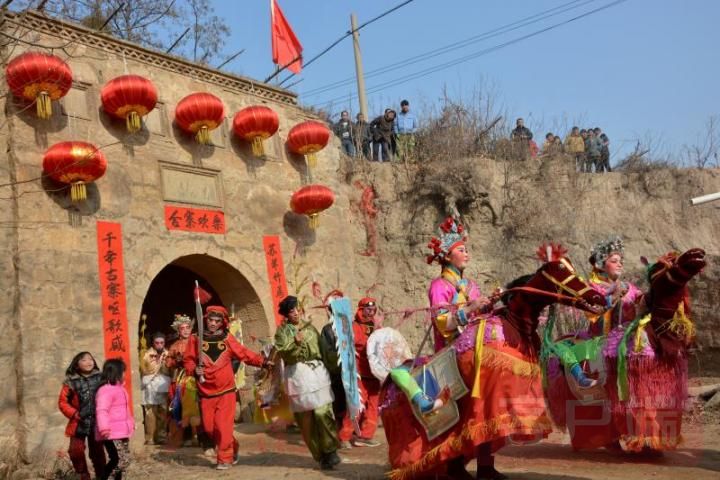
[
  {"x": 614, "y": 266},
  {"x": 214, "y": 322},
  {"x": 459, "y": 257},
  {"x": 184, "y": 330}
]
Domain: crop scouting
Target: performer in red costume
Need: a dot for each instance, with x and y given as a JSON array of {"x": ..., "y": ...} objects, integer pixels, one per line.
[
  {"x": 363, "y": 327},
  {"x": 216, "y": 380}
]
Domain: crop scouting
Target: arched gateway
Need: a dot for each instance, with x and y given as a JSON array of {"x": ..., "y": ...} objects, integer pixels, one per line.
[{"x": 171, "y": 292}]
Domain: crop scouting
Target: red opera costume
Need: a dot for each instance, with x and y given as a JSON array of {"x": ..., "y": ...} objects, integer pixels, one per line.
[
  {"x": 199, "y": 113},
  {"x": 129, "y": 97},
  {"x": 369, "y": 385},
  {"x": 217, "y": 387},
  {"x": 255, "y": 124},
  {"x": 39, "y": 77}
]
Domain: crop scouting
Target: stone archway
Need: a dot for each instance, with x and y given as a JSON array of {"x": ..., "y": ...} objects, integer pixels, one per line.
[{"x": 171, "y": 291}]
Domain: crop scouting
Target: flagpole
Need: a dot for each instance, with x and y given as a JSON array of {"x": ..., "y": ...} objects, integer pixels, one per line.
[{"x": 362, "y": 99}]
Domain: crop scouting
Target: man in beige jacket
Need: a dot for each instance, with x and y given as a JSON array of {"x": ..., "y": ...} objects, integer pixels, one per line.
[{"x": 155, "y": 385}]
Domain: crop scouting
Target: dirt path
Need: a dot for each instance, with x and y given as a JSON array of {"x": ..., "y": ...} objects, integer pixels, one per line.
[{"x": 267, "y": 455}]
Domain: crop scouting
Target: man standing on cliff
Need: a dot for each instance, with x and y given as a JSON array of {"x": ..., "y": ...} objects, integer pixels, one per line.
[{"x": 216, "y": 380}]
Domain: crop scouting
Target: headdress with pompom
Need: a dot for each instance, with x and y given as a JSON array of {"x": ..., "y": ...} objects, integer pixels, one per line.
[
  {"x": 181, "y": 319},
  {"x": 452, "y": 234},
  {"x": 602, "y": 251}
]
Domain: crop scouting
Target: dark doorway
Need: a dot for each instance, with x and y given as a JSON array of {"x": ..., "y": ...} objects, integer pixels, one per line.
[{"x": 171, "y": 292}]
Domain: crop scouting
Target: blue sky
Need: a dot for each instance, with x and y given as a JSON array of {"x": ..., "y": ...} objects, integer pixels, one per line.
[{"x": 637, "y": 68}]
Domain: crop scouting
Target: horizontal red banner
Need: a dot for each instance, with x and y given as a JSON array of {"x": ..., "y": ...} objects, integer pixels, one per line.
[{"x": 194, "y": 219}]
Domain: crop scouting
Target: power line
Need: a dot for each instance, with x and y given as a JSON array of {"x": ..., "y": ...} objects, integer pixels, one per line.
[
  {"x": 442, "y": 66},
  {"x": 332, "y": 45},
  {"x": 455, "y": 45}
]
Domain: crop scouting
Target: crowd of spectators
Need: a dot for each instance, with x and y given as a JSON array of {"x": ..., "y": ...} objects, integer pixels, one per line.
[
  {"x": 589, "y": 147},
  {"x": 389, "y": 137}
]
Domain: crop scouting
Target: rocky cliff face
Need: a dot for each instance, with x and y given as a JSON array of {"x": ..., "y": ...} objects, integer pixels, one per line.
[{"x": 510, "y": 208}]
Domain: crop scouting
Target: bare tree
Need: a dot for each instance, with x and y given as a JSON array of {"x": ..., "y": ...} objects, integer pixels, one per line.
[
  {"x": 152, "y": 23},
  {"x": 706, "y": 152},
  {"x": 208, "y": 31}
]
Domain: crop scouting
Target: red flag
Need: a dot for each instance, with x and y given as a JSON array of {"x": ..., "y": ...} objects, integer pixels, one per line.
[
  {"x": 202, "y": 296},
  {"x": 285, "y": 45}
]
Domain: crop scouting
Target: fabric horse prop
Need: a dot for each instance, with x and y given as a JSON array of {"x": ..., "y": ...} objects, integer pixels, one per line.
[
  {"x": 643, "y": 370},
  {"x": 498, "y": 360}
]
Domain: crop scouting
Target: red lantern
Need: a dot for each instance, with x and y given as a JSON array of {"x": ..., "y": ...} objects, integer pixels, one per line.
[
  {"x": 199, "y": 113},
  {"x": 308, "y": 138},
  {"x": 74, "y": 163},
  {"x": 310, "y": 200},
  {"x": 129, "y": 97},
  {"x": 39, "y": 77},
  {"x": 255, "y": 124}
]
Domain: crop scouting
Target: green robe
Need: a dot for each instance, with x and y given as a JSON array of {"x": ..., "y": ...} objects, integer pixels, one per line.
[{"x": 317, "y": 426}]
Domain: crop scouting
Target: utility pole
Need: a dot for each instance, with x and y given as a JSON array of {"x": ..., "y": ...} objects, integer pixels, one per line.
[{"x": 358, "y": 68}]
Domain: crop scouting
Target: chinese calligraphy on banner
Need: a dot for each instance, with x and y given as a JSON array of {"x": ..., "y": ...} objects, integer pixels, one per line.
[
  {"x": 276, "y": 272},
  {"x": 194, "y": 219},
  {"x": 112, "y": 294}
]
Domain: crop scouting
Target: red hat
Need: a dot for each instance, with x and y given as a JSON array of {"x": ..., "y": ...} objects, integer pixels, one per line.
[
  {"x": 218, "y": 310},
  {"x": 366, "y": 302}
]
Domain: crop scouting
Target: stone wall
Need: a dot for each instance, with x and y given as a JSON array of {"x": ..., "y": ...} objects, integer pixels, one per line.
[{"x": 54, "y": 266}]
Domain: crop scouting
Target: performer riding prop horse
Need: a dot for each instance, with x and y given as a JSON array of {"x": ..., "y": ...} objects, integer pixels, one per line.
[
  {"x": 502, "y": 370},
  {"x": 644, "y": 368}
]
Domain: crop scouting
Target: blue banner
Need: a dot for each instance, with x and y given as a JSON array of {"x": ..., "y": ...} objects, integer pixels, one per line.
[{"x": 342, "y": 324}]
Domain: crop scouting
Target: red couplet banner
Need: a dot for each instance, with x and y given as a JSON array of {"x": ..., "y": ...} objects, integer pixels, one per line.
[
  {"x": 112, "y": 293},
  {"x": 194, "y": 219},
  {"x": 276, "y": 272}
]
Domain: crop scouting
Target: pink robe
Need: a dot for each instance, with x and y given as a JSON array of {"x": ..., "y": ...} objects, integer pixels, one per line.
[
  {"x": 628, "y": 311},
  {"x": 442, "y": 292}
]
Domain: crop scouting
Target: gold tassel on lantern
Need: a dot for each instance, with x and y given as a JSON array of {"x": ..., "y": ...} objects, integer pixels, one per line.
[
  {"x": 203, "y": 135},
  {"x": 314, "y": 221},
  {"x": 311, "y": 160},
  {"x": 78, "y": 192},
  {"x": 44, "y": 105},
  {"x": 257, "y": 147},
  {"x": 133, "y": 122}
]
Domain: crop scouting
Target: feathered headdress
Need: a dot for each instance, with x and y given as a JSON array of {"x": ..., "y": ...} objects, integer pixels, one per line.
[
  {"x": 181, "y": 319},
  {"x": 600, "y": 252},
  {"x": 551, "y": 252},
  {"x": 452, "y": 234}
]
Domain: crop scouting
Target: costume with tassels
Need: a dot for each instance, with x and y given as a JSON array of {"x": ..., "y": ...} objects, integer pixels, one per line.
[
  {"x": 497, "y": 359},
  {"x": 641, "y": 363}
]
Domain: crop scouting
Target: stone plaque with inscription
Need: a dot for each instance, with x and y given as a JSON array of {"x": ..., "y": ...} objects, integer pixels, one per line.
[{"x": 192, "y": 185}]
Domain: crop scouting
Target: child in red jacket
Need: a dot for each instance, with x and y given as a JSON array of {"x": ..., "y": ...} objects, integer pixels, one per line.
[{"x": 77, "y": 403}]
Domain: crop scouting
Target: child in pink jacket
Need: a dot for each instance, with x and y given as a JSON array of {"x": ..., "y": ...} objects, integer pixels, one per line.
[{"x": 113, "y": 422}]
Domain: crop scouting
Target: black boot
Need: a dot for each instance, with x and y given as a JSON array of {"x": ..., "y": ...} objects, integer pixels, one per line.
[
  {"x": 486, "y": 464},
  {"x": 456, "y": 469},
  {"x": 488, "y": 472}
]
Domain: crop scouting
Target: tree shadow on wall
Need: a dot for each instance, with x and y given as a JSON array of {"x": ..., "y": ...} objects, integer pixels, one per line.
[
  {"x": 27, "y": 113},
  {"x": 243, "y": 150},
  {"x": 297, "y": 161},
  {"x": 187, "y": 142},
  {"x": 59, "y": 193},
  {"x": 118, "y": 130},
  {"x": 297, "y": 227}
]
